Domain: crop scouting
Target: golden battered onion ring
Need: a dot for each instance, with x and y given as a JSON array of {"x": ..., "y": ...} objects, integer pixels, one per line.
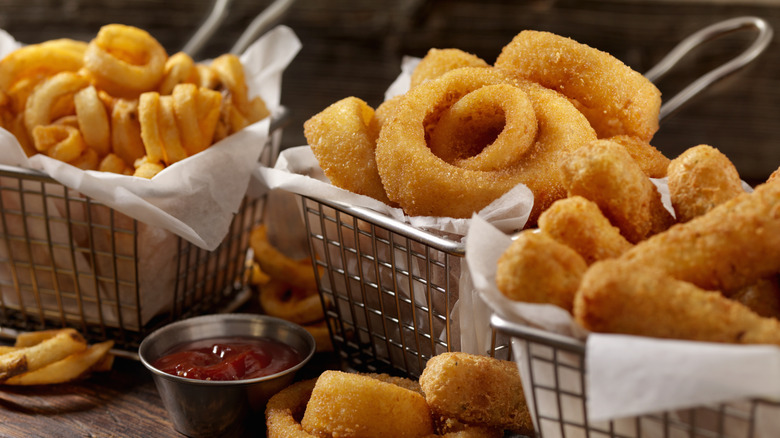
[
  {"x": 439, "y": 61},
  {"x": 126, "y": 131},
  {"x": 477, "y": 390},
  {"x": 179, "y": 69},
  {"x": 475, "y": 119},
  {"x": 343, "y": 138},
  {"x": 93, "y": 120},
  {"x": 38, "y": 61},
  {"x": 125, "y": 61},
  {"x": 424, "y": 184},
  {"x": 616, "y": 99},
  {"x": 285, "y": 408},
  {"x": 281, "y": 300},
  {"x": 348, "y": 404},
  {"x": 40, "y": 106},
  {"x": 279, "y": 266},
  {"x": 699, "y": 179},
  {"x": 61, "y": 142}
]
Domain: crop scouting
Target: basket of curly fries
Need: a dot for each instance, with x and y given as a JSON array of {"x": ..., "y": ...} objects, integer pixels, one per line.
[
  {"x": 554, "y": 133},
  {"x": 126, "y": 188}
]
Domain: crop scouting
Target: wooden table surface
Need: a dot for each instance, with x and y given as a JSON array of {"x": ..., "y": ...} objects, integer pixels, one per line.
[{"x": 122, "y": 402}]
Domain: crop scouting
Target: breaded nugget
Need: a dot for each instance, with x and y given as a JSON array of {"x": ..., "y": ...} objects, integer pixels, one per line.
[
  {"x": 604, "y": 172},
  {"x": 620, "y": 297},
  {"x": 355, "y": 405},
  {"x": 732, "y": 246},
  {"x": 578, "y": 223},
  {"x": 699, "y": 179},
  {"x": 536, "y": 268},
  {"x": 476, "y": 390},
  {"x": 652, "y": 161}
]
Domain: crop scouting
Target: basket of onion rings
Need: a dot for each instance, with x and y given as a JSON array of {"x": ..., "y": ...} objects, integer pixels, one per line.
[
  {"x": 389, "y": 193},
  {"x": 127, "y": 192}
]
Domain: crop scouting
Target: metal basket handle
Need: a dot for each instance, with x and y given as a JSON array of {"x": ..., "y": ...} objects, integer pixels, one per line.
[
  {"x": 257, "y": 27},
  {"x": 763, "y": 38}
]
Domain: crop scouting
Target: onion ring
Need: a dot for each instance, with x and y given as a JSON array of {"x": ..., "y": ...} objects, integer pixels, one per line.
[
  {"x": 477, "y": 390},
  {"x": 40, "y": 106},
  {"x": 296, "y": 305},
  {"x": 616, "y": 99},
  {"x": 439, "y": 61},
  {"x": 285, "y": 408},
  {"x": 343, "y": 138},
  {"x": 179, "y": 69},
  {"x": 424, "y": 184},
  {"x": 230, "y": 72},
  {"x": 349, "y": 404},
  {"x": 277, "y": 265},
  {"x": 474, "y": 120},
  {"x": 126, "y": 139},
  {"x": 125, "y": 61},
  {"x": 93, "y": 120}
]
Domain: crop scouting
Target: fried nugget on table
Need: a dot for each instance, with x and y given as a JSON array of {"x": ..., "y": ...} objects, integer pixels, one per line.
[
  {"x": 605, "y": 173},
  {"x": 578, "y": 223},
  {"x": 732, "y": 246},
  {"x": 625, "y": 298},
  {"x": 476, "y": 390},
  {"x": 652, "y": 161},
  {"x": 699, "y": 179},
  {"x": 536, "y": 268}
]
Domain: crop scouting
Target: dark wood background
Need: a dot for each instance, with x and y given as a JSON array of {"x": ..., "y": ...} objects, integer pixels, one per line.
[{"x": 354, "y": 47}]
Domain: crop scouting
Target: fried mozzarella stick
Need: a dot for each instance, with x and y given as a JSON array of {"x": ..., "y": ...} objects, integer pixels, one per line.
[
  {"x": 578, "y": 223},
  {"x": 605, "y": 173},
  {"x": 699, "y": 179},
  {"x": 620, "y": 297},
  {"x": 536, "y": 268},
  {"x": 732, "y": 246},
  {"x": 476, "y": 390}
]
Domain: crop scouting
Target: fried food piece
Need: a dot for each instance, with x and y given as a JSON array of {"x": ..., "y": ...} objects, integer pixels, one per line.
[
  {"x": 536, "y": 268},
  {"x": 343, "y": 138},
  {"x": 297, "y": 273},
  {"x": 72, "y": 367},
  {"x": 285, "y": 407},
  {"x": 579, "y": 224},
  {"x": 301, "y": 306},
  {"x": 732, "y": 246},
  {"x": 425, "y": 185},
  {"x": 620, "y": 297},
  {"x": 763, "y": 297},
  {"x": 616, "y": 99},
  {"x": 348, "y": 404},
  {"x": 476, "y": 390},
  {"x": 604, "y": 172},
  {"x": 50, "y": 350},
  {"x": 699, "y": 179},
  {"x": 439, "y": 61},
  {"x": 652, "y": 161}
]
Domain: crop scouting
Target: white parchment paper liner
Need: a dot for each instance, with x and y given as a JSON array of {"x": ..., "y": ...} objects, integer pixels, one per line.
[
  {"x": 631, "y": 375},
  {"x": 195, "y": 198}
]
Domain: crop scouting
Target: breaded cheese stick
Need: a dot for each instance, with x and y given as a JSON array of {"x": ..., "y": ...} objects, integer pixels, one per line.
[
  {"x": 605, "y": 173},
  {"x": 699, "y": 179},
  {"x": 578, "y": 223},
  {"x": 620, "y": 297},
  {"x": 732, "y": 246},
  {"x": 536, "y": 268}
]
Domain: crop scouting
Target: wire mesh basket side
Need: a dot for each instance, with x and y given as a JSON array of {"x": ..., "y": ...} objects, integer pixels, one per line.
[
  {"x": 553, "y": 369},
  {"x": 388, "y": 297}
]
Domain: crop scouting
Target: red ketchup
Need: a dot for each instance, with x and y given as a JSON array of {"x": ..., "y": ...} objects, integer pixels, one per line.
[{"x": 232, "y": 358}]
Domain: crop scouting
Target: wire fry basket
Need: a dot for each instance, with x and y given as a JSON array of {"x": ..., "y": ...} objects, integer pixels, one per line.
[{"x": 69, "y": 261}]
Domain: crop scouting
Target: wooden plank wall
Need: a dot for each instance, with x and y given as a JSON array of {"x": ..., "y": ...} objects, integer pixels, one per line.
[{"x": 354, "y": 47}]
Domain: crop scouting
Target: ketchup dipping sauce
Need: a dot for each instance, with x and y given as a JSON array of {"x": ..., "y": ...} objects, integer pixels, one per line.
[{"x": 229, "y": 358}]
